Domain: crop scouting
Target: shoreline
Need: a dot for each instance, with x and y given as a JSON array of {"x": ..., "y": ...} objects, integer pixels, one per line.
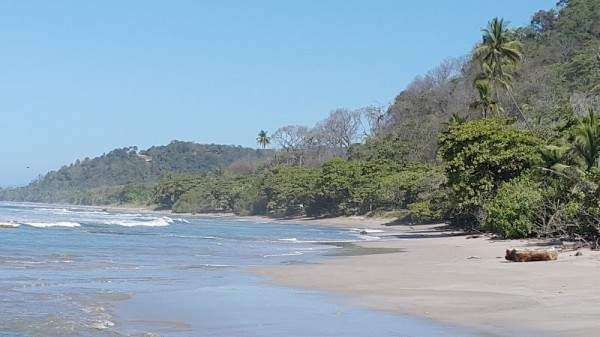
[
  {"x": 443, "y": 275},
  {"x": 462, "y": 281},
  {"x": 362, "y": 222}
]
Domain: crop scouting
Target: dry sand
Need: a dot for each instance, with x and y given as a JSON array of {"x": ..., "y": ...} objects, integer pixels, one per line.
[{"x": 456, "y": 280}]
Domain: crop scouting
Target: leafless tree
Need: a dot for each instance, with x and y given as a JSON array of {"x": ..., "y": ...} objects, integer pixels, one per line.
[
  {"x": 294, "y": 140},
  {"x": 290, "y": 137},
  {"x": 341, "y": 128},
  {"x": 439, "y": 76},
  {"x": 374, "y": 118},
  {"x": 583, "y": 102}
]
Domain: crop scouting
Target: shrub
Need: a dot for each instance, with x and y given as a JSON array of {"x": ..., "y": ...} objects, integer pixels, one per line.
[
  {"x": 423, "y": 211},
  {"x": 511, "y": 213},
  {"x": 481, "y": 154}
]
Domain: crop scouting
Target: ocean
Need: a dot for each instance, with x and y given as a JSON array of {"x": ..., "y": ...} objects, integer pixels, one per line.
[{"x": 76, "y": 271}]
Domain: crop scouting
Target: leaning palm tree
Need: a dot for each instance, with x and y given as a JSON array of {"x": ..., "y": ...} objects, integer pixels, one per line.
[
  {"x": 497, "y": 52},
  {"x": 485, "y": 102},
  {"x": 499, "y": 56},
  {"x": 587, "y": 140},
  {"x": 263, "y": 139}
]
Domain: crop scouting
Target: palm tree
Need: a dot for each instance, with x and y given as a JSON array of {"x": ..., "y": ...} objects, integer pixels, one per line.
[
  {"x": 263, "y": 139},
  {"x": 485, "y": 101},
  {"x": 587, "y": 140},
  {"x": 497, "y": 53},
  {"x": 456, "y": 119},
  {"x": 499, "y": 56}
]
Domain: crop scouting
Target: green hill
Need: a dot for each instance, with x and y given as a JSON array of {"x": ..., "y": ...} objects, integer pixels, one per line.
[
  {"x": 558, "y": 76},
  {"x": 127, "y": 171}
]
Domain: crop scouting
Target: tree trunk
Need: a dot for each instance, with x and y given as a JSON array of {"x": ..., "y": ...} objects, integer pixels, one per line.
[
  {"x": 520, "y": 111},
  {"x": 524, "y": 255}
]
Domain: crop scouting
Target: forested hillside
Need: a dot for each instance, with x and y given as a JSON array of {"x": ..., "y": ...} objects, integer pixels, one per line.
[
  {"x": 128, "y": 175},
  {"x": 505, "y": 138}
]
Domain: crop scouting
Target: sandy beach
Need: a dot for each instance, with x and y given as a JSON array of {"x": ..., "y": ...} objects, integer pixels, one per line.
[
  {"x": 437, "y": 273},
  {"x": 458, "y": 280},
  {"x": 441, "y": 274}
]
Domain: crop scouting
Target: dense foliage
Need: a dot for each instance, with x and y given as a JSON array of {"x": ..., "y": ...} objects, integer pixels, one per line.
[
  {"x": 481, "y": 154},
  {"x": 512, "y": 212},
  {"x": 504, "y": 139},
  {"x": 128, "y": 176}
]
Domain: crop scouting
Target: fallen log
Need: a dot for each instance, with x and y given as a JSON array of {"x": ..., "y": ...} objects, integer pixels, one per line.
[{"x": 525, "y": 255}]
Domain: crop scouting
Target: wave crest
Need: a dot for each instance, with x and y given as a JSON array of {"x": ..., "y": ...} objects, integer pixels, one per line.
[
  {"x": 154, "y": 222},
  {"x": 53, "y": 224}
]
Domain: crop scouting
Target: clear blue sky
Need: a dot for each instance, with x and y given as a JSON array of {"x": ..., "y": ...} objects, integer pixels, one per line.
[{"x": 79, "y": 78}]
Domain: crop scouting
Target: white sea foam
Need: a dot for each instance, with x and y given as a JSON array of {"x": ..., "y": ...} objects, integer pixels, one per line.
[
  {"x": 152, "y": 222},
  {"x": 136, "y": 215},
  {"x": 294, "y": 240},
  {"x": 184, "y": 236},
  {"x": 103, "y": 325},
  {"x": 367, "y": 230},
  {"x": 284, "y": 254},
  {"x": 44, "y": 209},
  {"x": 205, "y": 266},
  {"x": 53, "y": 224},
  {"x": 369, "y": 238}
]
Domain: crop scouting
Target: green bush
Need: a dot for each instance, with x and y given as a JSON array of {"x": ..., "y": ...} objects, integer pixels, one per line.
[
  {"x": 511, "y": 213},
  {"x": 196, "y": 200},
  {"x": 422, "y": 211},
  {"x": 481, "y": 154},
  {"x": 289, "y": 191}
]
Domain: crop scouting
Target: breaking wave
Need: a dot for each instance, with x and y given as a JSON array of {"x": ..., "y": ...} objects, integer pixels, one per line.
[
  {"x": 53, "y": 224},
  {"x": 156, "y": 222}
]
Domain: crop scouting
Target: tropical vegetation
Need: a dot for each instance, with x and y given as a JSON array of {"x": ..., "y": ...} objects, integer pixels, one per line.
[{"x": 505, "y": 139}]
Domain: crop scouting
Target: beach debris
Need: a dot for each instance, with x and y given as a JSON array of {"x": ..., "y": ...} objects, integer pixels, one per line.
[
  {"x": 474, "y": 257},
  {"x": 526, "y": 255},
  {"x": 473, "y": 236},
  {"x": 578, "y": 254},
  {"x": 363, "y": 232}
]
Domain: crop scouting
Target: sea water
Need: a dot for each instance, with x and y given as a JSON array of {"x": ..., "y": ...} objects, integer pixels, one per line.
[{"x": 75, "y": 271}]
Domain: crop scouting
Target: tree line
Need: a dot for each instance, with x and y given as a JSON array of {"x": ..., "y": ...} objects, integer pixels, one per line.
[{"x": 504, "y": 139}]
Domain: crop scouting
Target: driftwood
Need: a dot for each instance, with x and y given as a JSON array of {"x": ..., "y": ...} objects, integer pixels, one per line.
[{"x": 531, "y": 255}]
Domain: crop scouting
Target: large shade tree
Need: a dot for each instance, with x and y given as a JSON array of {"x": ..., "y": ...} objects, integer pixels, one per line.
[{"x": 481, "y": 154}]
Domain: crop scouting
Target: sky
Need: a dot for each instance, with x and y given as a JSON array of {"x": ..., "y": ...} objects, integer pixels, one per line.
[{"x": 81, "y": 78}]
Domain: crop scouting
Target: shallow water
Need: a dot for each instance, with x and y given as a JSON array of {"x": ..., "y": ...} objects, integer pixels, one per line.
[{"x": 73, "y": 271}]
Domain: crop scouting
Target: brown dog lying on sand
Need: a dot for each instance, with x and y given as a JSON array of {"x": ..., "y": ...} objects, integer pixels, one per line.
[{"x": 531, "y": 255}]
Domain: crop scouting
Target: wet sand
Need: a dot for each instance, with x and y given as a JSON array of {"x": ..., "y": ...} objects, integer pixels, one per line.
[
  {"x": 436, "y": 273},
  {"x": 451, "y": 278}
]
